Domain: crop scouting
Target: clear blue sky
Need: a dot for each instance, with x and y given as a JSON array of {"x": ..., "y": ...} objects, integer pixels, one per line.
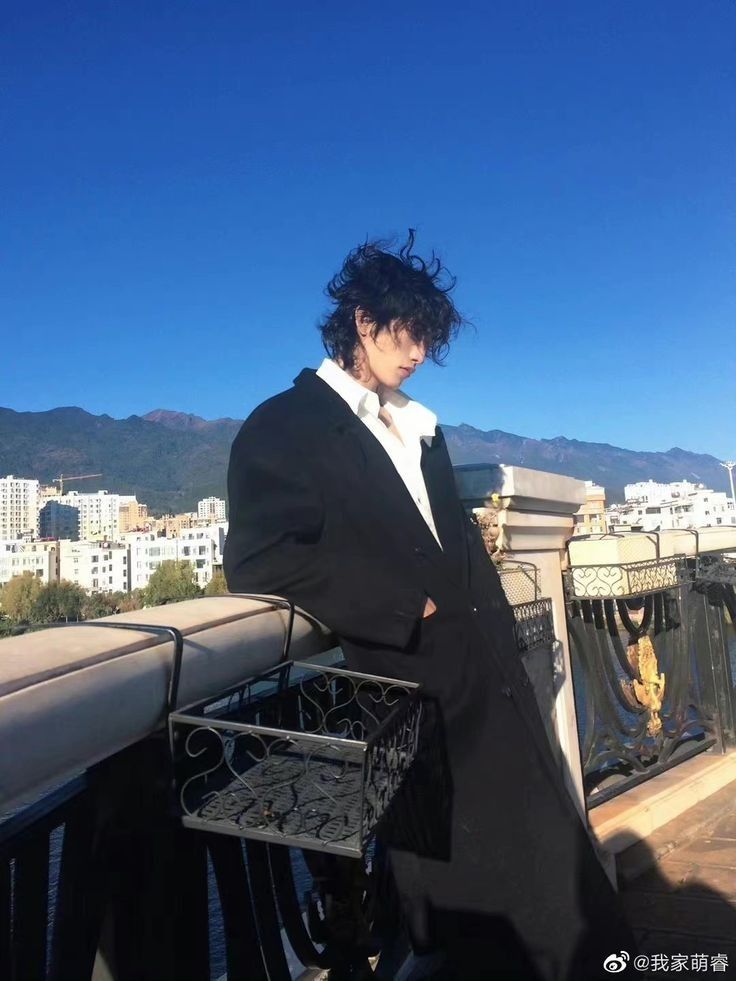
[{"x": 180, "y": 179}]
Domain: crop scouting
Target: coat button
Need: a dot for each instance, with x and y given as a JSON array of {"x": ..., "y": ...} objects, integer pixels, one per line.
[
  {"x": 475, "y": 609},
  {"x": 506, "y": 690},
  {"x": 418, "y": 550}
]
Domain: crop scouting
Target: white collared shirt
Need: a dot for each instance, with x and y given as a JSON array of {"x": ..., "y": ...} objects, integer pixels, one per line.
[{"x": 412, "y": 419}]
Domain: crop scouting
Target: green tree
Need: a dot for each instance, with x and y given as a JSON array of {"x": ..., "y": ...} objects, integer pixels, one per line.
[
  {"x": 99, "y": 605},
  {"x": 6, "y": 626},
  {"x": 172, "y": 581},
  {"x": 130, "y": 601},
  {"x": 217, "y": 585},
  {"x": 59, "y": 601},
  {"x": 19, "y": 595}
]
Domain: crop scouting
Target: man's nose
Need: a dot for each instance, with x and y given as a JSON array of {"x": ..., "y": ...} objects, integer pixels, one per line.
[{"x": 418, "y": 354}]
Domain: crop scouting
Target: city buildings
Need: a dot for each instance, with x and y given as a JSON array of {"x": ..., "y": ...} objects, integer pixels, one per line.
[
  {"x": 133, "y": 516},
  {"x": 107, "y": 542},
  {"x": 651, "y": 492},
  {"x": 40, "y": 559},
  {"x": 211, "y": 509},
  {"x": 591, "y": 518},
  {"x": 18, "y": 507},
  {"x": 96, "y": 567},
  {"x": 99, "y": 513},
  {"x": 171, "y": 525},
  {"x": 57, "y": 519},
  {"x": 102, "y": 541},
  {"x": 650, "y": 506},
  {"x": 201, "y": 547}
]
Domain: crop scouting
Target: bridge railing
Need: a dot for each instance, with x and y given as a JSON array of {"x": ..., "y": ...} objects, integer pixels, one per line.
[
  {"x": 646, "y": 649},
  {"x": 651, "y": 661},
  {"x": 98, "y": 877}
]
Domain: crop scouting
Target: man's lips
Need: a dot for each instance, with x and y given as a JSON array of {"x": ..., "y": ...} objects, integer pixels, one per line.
[{"x": 407, "y": 371}]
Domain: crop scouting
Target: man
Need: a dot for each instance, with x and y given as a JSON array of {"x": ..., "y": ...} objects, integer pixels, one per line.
[{"x": 342, "y": 499}]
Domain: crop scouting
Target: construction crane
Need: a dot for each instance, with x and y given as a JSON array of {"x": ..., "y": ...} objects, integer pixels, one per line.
[{"x": 61, "y": 478}]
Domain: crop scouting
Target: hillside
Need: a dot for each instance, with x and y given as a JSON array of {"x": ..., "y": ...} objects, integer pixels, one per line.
[{"x": 172, "y": 459}]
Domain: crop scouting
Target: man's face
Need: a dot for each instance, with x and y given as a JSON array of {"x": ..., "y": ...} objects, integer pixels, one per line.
[{"x": 390, "y": 357}]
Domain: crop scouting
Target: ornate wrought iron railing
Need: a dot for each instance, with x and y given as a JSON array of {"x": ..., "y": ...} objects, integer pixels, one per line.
[
  {"x": 626, "y": 580},
  {"x": 650, "y": 685},
  {"x": 103, "y": 870},
  {"x": 534, "y": 625},
  {"x": 715, "y": 584}
]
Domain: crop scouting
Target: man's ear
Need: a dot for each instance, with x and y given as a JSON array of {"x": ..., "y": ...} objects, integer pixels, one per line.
[{"x": 363, "y": 322}]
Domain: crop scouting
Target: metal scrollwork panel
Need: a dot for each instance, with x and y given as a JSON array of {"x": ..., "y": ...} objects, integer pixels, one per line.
[
  {"x": 625, "y": 580},
  {"x": 534, "y": 625},
  {"x": 639, "y": 697},
  {"x": 310, "y": 763}
]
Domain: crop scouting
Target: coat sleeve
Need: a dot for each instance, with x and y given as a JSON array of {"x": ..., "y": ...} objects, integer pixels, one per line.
[{"x": 276, "y": 544}]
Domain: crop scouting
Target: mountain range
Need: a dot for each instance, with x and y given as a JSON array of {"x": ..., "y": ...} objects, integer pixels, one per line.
[{"x": 170, "y": 460}]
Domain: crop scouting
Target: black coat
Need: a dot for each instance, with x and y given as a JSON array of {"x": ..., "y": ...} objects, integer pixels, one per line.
[{"x": 318, "y": 514}]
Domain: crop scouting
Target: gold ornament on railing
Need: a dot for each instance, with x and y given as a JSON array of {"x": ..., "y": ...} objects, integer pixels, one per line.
[{"x": 650, "y": 690}]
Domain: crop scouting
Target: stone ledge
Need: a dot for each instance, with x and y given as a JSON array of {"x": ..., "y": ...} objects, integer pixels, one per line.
[
  {"x": 518, "y": 488},
  {"x": 636, "y": 817},
  {"x": 671, "y": 837},
  {"x": 71, "y": 696}
]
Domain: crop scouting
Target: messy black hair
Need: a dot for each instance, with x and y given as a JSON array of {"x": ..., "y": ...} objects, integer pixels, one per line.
[{"x": 390, "y": 286}]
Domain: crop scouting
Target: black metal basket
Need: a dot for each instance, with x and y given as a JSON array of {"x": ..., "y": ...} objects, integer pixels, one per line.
[{"x": 302, "y": 755}]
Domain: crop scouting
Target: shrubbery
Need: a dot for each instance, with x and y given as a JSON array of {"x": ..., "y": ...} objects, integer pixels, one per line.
[{"x": 26, "y": 603}]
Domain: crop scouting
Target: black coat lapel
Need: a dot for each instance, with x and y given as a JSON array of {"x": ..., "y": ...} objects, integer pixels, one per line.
[
  {"x": 376, "y": 480},
  {"x": 446, "y": 508}
]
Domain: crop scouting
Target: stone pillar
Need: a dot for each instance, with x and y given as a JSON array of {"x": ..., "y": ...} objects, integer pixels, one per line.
[{"x": 535, "y": 520}]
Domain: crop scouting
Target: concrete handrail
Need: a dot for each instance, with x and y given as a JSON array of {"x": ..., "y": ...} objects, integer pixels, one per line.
[
  {"x": 71, "y": 696},
  {"x": 642, "y": 546}
]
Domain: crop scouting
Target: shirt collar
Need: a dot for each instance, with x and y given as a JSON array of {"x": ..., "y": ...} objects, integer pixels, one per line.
[
  {"x": 359, "y": 398},
  {"x": 413, "y": 415}
]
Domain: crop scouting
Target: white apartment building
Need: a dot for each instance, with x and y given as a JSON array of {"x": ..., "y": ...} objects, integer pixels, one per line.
[
  {"x": 701, "y": 509},
  {"x": 688, "y": 506},
  {"x": 651, "y": 492},
  {"x": 202, "y": 547},
  {"x": 98, "y": 567},
  {"x": 215, "y": 532},
  {"x": 41, "y": 559},
  {"x": 99, "y": 513},
  {"x": 211, "y": 509},
  {"x": 18, "y": 507}
]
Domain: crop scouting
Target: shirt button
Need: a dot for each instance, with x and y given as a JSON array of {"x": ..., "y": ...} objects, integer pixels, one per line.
[
  {"x": 475, "y": 609},
  {"x": 506, "y": 690}
]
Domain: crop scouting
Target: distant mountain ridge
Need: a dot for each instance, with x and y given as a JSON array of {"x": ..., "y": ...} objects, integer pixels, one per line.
[
  {"x": 170, "y": 460},
  {"x": 611, "y": 466},
  {"x": 184, "y": 420}
]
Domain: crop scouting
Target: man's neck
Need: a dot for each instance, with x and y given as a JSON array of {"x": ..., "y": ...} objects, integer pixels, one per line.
[
  {"x": 367, "y": 380},
  {"x": 371, "y": 383}
]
